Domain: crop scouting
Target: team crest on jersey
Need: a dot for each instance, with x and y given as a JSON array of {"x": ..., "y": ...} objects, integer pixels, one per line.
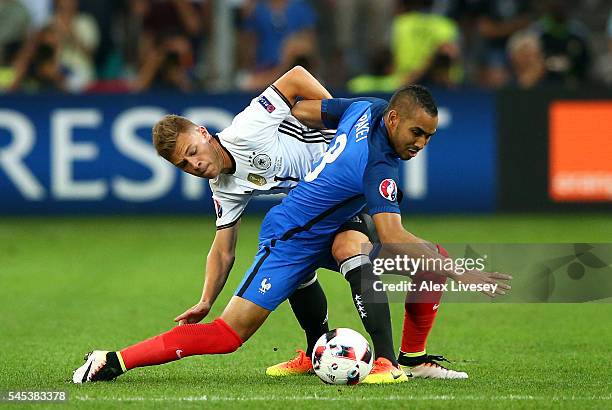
[
  {"x": 261, "y": 161},
  {"x": 388, "y": 189},
  {"x": 256, "y": 179},
  {"x": 218, "y": 208},
  {"x": 268, "y": 106}
]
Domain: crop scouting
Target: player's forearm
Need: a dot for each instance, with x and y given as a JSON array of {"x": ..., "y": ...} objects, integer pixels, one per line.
[
  {"x": 219, "y": 262},
  {"x": 402, "y": 242},
  {"x": 218, "y": 266},
  {"x": 308, "y": 112},
  {"x": 310, "y": 88},
  {"x": 298, "y": 82},
  {"x": 147, "y": 73}
]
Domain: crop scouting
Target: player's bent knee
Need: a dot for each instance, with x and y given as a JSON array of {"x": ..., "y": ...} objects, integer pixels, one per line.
[
  {"x": 232, "y": 339},
  {"x": 349, "y": 243},
  {"x": 430, "y": 276},
  {"x": 244, "y": 317}
]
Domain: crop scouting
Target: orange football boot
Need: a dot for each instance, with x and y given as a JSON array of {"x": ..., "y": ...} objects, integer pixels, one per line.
[
  {"x": 383, "y": 371},
  {"x": 301, "y": 364}
]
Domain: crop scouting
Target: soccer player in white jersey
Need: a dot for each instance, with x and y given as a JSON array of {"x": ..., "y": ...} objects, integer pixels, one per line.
[{"x": 266, "y": 150}]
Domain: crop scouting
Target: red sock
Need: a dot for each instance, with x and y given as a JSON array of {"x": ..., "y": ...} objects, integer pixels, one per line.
[
  {"x": 421, "y": 309},
  {"x": 216, "y": 337}
]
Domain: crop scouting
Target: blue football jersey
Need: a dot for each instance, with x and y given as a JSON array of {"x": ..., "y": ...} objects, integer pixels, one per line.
[{"x": 359, "y": 169}]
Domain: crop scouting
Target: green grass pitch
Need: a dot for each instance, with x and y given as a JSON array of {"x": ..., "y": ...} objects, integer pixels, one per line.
[{"x": 72, "y": 284}]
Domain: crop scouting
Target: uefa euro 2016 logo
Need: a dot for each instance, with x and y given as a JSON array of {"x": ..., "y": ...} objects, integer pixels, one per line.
[{"x": 388, "y": 189}]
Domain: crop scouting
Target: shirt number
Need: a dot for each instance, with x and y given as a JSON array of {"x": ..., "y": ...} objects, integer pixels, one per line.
[{"x": 330, "y": 156}]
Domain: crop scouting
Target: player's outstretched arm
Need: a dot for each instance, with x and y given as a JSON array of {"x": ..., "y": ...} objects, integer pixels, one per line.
[
  {"x": 298, "y": 82},
  {"x": 218, "y": 266},
  {"x": 395, "y": 237},
  {"x": 312, "y": 114}
]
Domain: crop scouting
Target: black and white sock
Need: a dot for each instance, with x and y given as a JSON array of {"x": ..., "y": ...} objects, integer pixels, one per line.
[
  {"x": 372, "y": 306},
  {"x": 309, "y": 306}
]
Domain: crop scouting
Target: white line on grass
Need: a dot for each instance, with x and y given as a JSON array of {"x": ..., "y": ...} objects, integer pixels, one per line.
[{"x": 325, "y": 398}]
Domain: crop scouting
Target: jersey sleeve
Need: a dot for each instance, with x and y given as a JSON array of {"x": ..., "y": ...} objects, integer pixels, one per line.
[
  {"x": 261, "y": 118},
  {"x": 333, "y": 109},
  {"x": 229, "y": 208},
  {"x": 380, "y": 187}
]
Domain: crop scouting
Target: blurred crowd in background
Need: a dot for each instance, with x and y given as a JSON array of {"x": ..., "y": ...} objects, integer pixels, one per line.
[{"x": 363, "y": 46}]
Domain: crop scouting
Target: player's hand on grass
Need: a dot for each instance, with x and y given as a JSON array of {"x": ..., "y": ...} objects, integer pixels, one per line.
[
  {"x": 477, "y": 277},
  {"x": 194, "y": 314}
]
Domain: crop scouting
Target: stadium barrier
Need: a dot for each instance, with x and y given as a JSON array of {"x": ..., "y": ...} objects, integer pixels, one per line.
[
  {"x": 67, "y": 154},
  {"x": 555, "y": 149}
]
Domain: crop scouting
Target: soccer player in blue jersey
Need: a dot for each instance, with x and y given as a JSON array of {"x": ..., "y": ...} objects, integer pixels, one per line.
[{"x": 359, "y": 169}]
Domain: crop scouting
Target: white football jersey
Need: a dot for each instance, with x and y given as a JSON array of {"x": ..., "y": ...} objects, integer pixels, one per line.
[{"x": 272, "y": 151}]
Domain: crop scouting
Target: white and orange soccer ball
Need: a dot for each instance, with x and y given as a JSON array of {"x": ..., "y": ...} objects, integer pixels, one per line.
[{"x": 342, "y": 356}]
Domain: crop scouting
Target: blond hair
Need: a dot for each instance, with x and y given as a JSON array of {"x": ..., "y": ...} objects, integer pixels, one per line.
[{"x": 166, "y": 131}]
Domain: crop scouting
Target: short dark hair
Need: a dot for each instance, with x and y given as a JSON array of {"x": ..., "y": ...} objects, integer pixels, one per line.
[{"x": 415, "y": 94}]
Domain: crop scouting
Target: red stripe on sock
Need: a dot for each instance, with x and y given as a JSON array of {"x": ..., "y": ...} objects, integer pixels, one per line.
[{"x": 420, "y": 310}]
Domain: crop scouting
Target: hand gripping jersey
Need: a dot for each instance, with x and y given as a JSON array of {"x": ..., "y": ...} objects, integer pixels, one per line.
[
  {"x": 272, "y": 151},
  {"x": 359, "y": 168}
]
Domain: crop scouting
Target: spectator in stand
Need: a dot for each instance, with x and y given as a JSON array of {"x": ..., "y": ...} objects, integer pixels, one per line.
[
  {"x": 604, "y": 63},
  {"x": 40, "y": 12},
  {"x": 78, "y": 37},
  {"x": 380, "y": 76},
  {"x": 14, "y": 20},
  {"x": 130, "y": 24},
  {"x": 357, "y": 41},
  {"x": 37, "y": 67},
  {"x": 496, "y": 21},
  {"x": 106, "y": 14},
  {"x": 276, "y": 34},
  {"x": 164, "y": 18},
  {"x": 444, "y": 68},
  {"x": 527, "y": 59},
  {"x": 169, "y": 67},
  {"x": 170, "y": 32},
  {"x": 565, "y": 45},
  {"x": 425, "y": 45}
]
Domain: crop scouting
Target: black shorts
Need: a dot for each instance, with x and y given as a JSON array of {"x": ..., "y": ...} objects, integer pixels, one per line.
[{"x": 363, "y": 223}]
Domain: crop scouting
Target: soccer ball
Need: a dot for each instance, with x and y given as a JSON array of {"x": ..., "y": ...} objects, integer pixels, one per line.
[{"x": 342, "y": 356}]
